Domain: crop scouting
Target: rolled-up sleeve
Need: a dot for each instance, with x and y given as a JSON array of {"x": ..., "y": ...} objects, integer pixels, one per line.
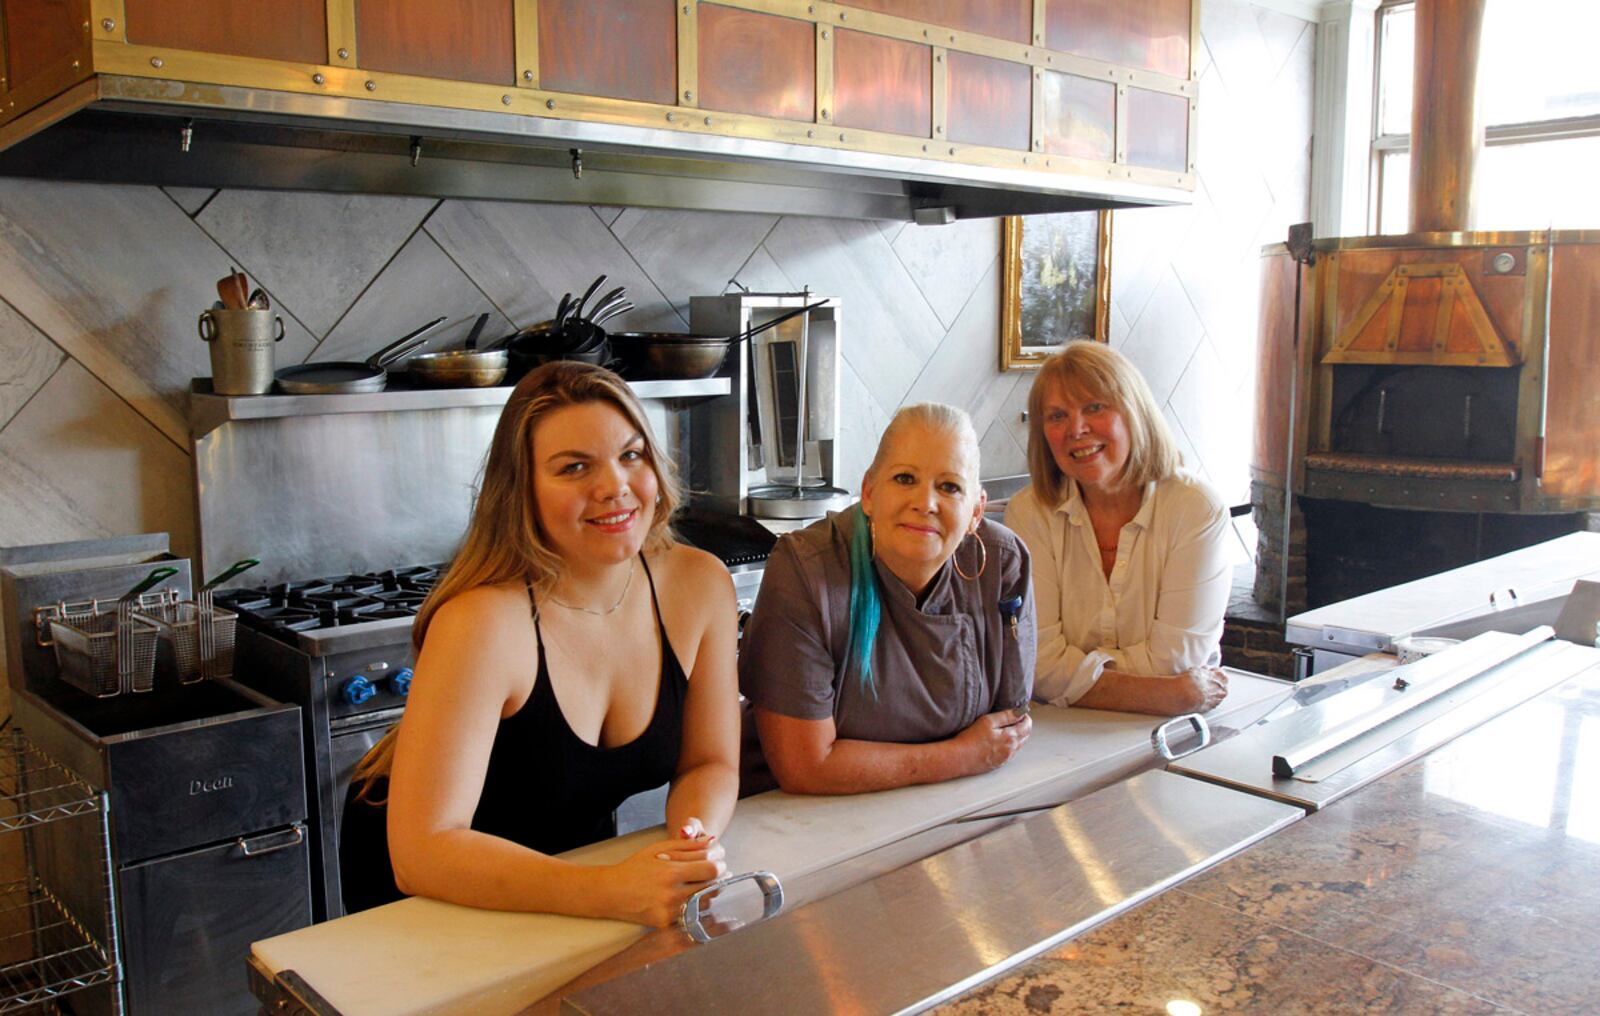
[{"x": 785, "y": 664}]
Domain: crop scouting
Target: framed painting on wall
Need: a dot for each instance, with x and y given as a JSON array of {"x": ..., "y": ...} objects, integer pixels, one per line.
[{"x": 1056, "y": 284}]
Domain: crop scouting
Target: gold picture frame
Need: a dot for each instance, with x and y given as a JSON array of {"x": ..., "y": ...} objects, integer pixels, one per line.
[{"x": 1052, "y": 254}]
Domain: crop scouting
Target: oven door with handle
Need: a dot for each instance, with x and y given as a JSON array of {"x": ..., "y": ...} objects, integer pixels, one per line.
[{"x": 349, "y": 740}]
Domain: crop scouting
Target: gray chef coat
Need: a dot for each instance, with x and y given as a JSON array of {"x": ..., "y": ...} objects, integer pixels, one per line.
[{"x": 938, "y": 665}]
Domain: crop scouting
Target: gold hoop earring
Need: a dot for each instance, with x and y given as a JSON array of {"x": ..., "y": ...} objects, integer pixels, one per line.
[{"x": 983, "y": 560}]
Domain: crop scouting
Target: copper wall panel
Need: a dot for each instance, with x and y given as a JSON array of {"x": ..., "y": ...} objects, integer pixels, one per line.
[
  {"x": 1572, "y": 442},
  {"x": 1158, "y": 130},
  {"x": 882, "y": 84},
  {"x": 757, "y": 63},
  {"x": 38, "y": 33},
  {"x": 623, "y": 49},
  {"x": 465, "y": 40},
  {"x": 1078, "y": 116},
  {"x": 1002, "y": 19},
  {"x": 1150, "y": 34},
  {"x": 1275, "y": 360},
  {"x": 294, "y": 30},
  {"x": 991, "y": 101}
]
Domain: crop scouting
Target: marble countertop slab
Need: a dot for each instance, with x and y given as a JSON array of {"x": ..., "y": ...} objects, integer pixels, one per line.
[{"x": 1466, "y": 882}]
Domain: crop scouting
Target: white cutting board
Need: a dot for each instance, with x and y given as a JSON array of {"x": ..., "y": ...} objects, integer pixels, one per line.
[{"x": 420, "y": 957}]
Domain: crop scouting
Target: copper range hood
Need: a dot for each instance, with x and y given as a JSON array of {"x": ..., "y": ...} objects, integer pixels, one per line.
[{"x": 1445, "y": 369}]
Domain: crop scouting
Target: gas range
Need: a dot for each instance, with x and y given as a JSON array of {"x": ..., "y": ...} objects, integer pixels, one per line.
[
  {"x": 334, "y": 602},
  {"x": 339, "y": 647}
]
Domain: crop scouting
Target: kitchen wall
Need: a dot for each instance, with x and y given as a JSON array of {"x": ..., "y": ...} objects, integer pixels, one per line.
[{"x": 100, "y": 286}]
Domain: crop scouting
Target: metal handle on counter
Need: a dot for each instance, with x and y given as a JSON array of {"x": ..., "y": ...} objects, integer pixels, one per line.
[
  {"x": 250, "y": 848},
  {"x": 771, "y": 901},
  {"x": 1158, "y": 736}
]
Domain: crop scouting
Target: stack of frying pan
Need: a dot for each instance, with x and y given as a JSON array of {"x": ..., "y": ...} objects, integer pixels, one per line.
[{"x": 573, "y": 334}]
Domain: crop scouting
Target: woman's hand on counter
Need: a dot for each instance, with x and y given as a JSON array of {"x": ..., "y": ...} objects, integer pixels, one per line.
[
  {"x": 650, "y": 886},
  {"x": 1207, "y": 686},
  {"x": 993, "y": 738}
]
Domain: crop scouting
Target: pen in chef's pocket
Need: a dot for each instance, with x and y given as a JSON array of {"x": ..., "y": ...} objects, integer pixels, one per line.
[{"x": 1010, "y": 610}]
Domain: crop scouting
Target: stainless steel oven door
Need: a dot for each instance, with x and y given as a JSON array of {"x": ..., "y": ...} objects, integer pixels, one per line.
[{"x": 349, "y": 739}]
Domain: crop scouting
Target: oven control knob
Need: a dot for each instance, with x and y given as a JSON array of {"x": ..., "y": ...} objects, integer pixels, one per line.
[
  {"x": 400, "y": 683},
  {"x": 357, "y": 690}
]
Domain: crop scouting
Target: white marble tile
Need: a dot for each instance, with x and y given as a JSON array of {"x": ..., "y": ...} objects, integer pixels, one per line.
[
  {"x": 1217, "y": 419},
  {"x": 77, "y": 463},
  {"x": 861, "y": 423},
  {"x": 1192, "y": 459},
  {"x": 420, "y": 284},
  {"x": 1233, "y": 35},
  {"x": 190, "y": 199},
  {"x": 1142, "y": 242},
  {"x": 608, "y": 213},
  {"x": 949, "y": 262},
  {"x": 525, "y": 256},
  {"x": 1280, "y": 34},
  {"x": 892, "y": 228},
  {"x": 1119, "y": 326},
  {"x": 1011, "y": 411},
  {"x": 994, "y": 401},
  {"x": 314, "y": 252},
  {"x": 1164, "y": 338},
  {"x": 761, "y": 274},
  {"x": 690, "y": 253},
  {"x": 967, "y": 363},
  {"x": 116, "y": 276},
  {"x": 27, "y": 359},
  {"x": 999, "y": 452},
  {"x": 889, "y": 330}
]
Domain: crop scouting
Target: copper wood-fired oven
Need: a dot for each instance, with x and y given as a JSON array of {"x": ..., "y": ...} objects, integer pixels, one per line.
[{"x": 1431, "y": 376}]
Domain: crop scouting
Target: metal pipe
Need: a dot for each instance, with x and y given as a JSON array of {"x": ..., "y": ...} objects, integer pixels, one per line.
[{"x": 1446, "y": 126}]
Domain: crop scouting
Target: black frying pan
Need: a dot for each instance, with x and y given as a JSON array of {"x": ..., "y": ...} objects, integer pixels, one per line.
[{"x": 347, "y": 377}]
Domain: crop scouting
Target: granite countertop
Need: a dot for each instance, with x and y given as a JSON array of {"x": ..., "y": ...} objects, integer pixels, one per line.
[{"x": 1465, "y": 882}]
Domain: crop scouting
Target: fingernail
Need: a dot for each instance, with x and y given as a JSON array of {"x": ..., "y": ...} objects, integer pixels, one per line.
[{"x": 663, "y": 857}]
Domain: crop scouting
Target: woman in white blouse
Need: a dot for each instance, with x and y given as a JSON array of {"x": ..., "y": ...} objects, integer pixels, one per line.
[{"x": 1130, "y": 554}]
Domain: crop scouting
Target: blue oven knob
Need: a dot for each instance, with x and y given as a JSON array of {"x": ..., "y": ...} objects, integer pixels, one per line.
[
  {"x": 400, "y": 683},
  {"x": 357, "y": 690}
]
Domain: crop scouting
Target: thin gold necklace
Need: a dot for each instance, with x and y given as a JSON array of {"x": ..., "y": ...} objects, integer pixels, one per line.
[{"x": 626, "y": 585}]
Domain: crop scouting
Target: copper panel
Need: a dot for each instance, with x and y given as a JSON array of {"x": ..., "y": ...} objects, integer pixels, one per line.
[
  {"x": 466, "y": 40},
  {"x": 1002, "y": 19},
  {"x": 757, "y": 63},
  {"x": 1484, "y": 314},
  {"x": 991, "y": 101},
  {"x": 1158, "y": 130},
  {"x": 1078, "y": 116},
  {"x": 1150, "y": 34},
  {"x": 1275, "y": 360},
  {"x": 293, "y": 30},
  {"x": 622, "y": 49},
  {"x": 1572, "y": 394},
  {"x": 882, "y": 84},
  {"x": 38, "y": 33}
]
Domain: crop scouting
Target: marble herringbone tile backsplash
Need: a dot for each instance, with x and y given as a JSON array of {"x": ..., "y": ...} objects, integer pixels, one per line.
[{"x": 100, "y": 286}]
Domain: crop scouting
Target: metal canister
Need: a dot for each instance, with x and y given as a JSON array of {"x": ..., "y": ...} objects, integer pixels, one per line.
[{"x": 241, "y": 344}]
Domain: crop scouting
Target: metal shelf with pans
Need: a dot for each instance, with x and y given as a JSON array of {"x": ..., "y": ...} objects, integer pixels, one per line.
[
  {"x": 47, "y": 949},
  {"x": 208, "y": 411}
]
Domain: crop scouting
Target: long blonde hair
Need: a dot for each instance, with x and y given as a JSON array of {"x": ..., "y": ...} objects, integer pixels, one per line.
[
  {"x": 1090, "y": 370},
  {"x": 505, "y": 541}
]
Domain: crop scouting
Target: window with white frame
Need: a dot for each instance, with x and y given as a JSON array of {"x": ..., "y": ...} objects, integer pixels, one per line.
[{"x": 1539, "y": 91}]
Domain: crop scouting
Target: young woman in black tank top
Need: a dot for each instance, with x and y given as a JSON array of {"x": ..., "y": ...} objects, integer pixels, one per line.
[{"x": 553, "y": 681}]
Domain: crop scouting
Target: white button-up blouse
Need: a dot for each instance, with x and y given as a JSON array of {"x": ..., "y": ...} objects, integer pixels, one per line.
[{"x": 1160, "y": 612}]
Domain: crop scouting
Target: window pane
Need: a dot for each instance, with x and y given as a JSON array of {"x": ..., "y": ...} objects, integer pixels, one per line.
[
  {"x": 1539, "y": 185},
  {"x": 1394, "y": 206},
  {"x": 1394, "y": 73},
  {"x": 1537, "y": 61}
]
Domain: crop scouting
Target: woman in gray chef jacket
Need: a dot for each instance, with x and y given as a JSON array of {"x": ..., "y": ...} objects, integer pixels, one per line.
[{"x": 893, "y": 643}]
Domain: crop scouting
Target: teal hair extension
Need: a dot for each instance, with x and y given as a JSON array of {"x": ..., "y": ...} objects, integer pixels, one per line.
[{"x": 866, "y": 610}]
